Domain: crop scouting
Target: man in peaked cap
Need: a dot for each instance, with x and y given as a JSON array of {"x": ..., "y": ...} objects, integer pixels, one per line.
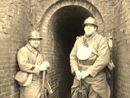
[
  {"x": 88, "y": 59},
  {"x": 30, "y": 60}
]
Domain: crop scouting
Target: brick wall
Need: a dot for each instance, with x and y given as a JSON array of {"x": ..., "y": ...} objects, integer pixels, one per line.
[
  {"x": 121, "y": 49},
  {"x": 14, "y": 28}
]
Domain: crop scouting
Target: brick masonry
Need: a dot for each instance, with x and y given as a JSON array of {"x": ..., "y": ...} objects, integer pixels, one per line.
[
  {"x": 14, "y": 28},
  {"x": 121, "y": 49},
  {"x": 19, "y": 17}
]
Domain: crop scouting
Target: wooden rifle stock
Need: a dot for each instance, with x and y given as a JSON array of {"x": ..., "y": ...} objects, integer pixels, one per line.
[{"x": 43, "y": 84}]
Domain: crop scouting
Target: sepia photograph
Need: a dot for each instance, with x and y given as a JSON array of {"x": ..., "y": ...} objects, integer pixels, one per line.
[{"x": 64, "y": 49}]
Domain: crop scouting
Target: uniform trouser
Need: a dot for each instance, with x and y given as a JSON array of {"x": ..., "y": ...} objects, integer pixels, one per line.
[
  {"x": 87, "y": 92},
  {"x": 92, "y": 93}
]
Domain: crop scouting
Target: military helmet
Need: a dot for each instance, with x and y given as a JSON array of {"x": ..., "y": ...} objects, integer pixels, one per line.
[
  {"x": 35, "y": 35},
  {"x": 90, "y": 20}
]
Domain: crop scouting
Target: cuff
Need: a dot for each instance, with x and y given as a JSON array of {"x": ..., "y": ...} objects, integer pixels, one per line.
[
  {"x": 36, "y": 69},
  {"x": 90, "y": 72}
]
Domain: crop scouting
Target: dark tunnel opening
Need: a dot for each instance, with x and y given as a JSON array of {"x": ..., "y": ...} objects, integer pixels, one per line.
[
  {"x": 64, "y": 26},
  {"x": 68, "y": 23}
]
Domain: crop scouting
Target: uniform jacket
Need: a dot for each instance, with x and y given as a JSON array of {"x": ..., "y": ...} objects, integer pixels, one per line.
[
  {"x": 94, "y": 65},
  {"x": 26, "y": 59}
]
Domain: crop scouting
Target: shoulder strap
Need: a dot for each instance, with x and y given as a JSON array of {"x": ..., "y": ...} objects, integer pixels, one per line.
[
  {"x": 37, "y": 59},
  {"x": 40, "y": 57},
  {"x": 97, "y": 41}
]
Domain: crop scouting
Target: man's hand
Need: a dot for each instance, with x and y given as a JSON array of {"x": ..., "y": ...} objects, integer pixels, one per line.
[
  {"x": 84, "y": 74},
  {"x": 46, "y": 64},
  {"x": 78, "y": 74},
  {"x": 42, "y": 67}
]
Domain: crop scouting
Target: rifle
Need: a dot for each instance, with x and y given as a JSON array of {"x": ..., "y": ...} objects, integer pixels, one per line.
[
  {"x": 80, "y": 86},
  {"x": 43, "y": 83},
  {"x": 44, "y": 95},
  {"x": 44, "y": 92},
  {"x": 80, "y": 89}
]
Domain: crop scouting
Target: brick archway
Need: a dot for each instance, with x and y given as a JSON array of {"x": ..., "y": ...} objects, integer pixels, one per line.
[
  {"x": 60, "y": 25},
  {"x": 59, "y": 4}
]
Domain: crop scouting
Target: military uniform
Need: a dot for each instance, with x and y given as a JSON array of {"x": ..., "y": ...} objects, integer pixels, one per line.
[
  {"x": 27, "y": 57},
  {"x": 95, "y": 84}
]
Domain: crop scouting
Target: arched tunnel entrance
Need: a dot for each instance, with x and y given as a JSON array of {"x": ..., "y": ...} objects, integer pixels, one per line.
[
  {"x": 59, "y": 29},
  {"x": 65, "y": 25}
]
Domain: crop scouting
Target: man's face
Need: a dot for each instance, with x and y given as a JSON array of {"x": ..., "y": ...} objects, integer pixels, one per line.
[
  {"x": 89, "y": 29},
  {"x": 34, "y": 43}
]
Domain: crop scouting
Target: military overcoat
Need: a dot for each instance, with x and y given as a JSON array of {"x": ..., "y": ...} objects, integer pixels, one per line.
[
  {"x": 26, "y": 57},
  {"x": 94, "y": 65}
]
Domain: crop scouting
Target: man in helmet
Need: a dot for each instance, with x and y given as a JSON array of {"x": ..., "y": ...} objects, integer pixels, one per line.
[
  {"x": 88, "y": 58},
  {"x": 30, "y": 61}
]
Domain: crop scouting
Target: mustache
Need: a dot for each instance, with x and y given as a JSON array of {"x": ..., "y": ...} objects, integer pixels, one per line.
[{"x": 36, "y": 44}]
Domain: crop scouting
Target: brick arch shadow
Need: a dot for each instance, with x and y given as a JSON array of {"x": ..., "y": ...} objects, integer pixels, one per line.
[{"x": 59, "y": 4}]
